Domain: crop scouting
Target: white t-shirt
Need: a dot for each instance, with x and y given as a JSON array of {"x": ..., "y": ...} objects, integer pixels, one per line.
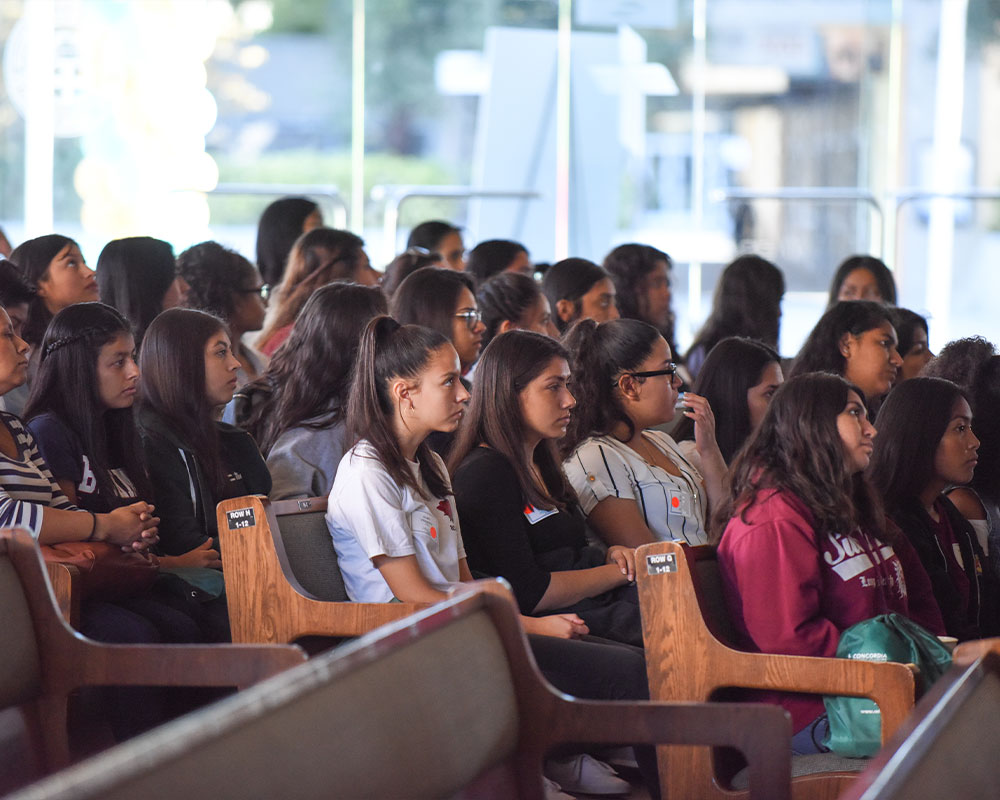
[
  {"x": 369, "y": 514},
  {"x": 673, "y": 507}
]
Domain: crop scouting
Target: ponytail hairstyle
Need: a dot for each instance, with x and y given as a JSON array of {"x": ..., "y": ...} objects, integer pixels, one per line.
[
  {"x": 172, "y": 363},
  {"x": 33, "y": 258},
  {"x": 798, "y": 449},
  {"x": 67, "y": 386},
  {"x": 506, "y": 296},
  {"x": 307, "y": 380},
  {"x": 510, "y": 362},
  {"x": 821, "y": 351},
  {"x": 911, "y": 423},
  {"x": 388, "y": 351},
  {"x": 599, "y": 354},
  {"x": 734, "y": 366}
]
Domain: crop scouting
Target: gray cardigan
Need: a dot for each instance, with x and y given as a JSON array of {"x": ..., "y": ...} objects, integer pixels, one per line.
[{"x": 304, "y": 461}]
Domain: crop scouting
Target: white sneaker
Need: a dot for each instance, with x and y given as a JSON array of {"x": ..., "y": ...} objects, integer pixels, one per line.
[
  {"x": 619, "y": 757},
  {"x": 553, "y": 791},
  {"x": 585, "y": 774}
]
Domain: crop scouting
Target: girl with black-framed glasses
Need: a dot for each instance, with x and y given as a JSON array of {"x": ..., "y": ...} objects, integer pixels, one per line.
[{"x": 634, "y": 482}]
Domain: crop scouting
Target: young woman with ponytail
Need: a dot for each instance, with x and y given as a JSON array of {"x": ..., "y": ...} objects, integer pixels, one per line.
[
  {"x": 634, "y": 483},
  {"x": 392, "y": 513}
]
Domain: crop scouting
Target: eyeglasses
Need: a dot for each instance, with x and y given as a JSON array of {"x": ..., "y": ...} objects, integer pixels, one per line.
[
  {"x": 472, "y": 317},
  {"x": 264, "y": 291},
  {"x": 671, "y": 370}
]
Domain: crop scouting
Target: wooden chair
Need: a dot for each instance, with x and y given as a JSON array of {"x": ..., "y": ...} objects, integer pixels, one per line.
[
  {"x": 945, "y": 748},
  {"x": 42, "y": 660},
  {"x": 447, "y": 703},
  {"x": 65, "y": 581},
  {"x": 689, "y": 656},
  {"x": 282, "y": 578}
]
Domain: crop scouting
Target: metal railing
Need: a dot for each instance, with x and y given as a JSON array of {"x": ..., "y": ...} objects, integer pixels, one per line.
[
  {"x": 395, "y": 195},
  {"x": 331, "y": 194}
]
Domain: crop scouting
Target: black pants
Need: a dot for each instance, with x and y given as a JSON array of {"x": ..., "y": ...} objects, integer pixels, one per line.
[{"x": 598, "y": 669}]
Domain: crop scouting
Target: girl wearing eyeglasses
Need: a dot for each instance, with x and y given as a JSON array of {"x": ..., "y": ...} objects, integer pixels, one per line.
[
  {"x": 223, "y": 282},
  {"x": 443, "y": 300},
  {"x": 634, "y": 483}
]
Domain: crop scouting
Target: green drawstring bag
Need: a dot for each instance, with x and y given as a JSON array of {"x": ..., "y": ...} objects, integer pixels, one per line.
[{"x": 856, "y": 722}]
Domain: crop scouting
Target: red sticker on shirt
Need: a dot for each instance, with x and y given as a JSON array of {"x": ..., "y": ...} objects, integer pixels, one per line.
[
  {"x": 529, "y": 510},
  {"x": 434, "y": 533},
  {"x": 675, "y": 502}
]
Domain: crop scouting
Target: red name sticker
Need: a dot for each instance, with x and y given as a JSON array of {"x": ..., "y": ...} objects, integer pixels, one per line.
[{"x": 434, "y": 532}]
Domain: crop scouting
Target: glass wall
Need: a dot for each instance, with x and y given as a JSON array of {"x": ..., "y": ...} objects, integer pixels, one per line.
[{"x": 803, "y": 131}]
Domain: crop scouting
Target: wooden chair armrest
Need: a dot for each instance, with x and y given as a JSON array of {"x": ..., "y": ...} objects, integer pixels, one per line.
[
  {"x": 65, "y": 582},
  {"x": 761, "y": 732},
  {"x": 238, "y": 665},
  {"x": 889, "y": 685}
]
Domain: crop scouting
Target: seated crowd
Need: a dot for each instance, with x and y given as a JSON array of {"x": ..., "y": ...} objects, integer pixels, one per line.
[{"x": 467, "y": 420}]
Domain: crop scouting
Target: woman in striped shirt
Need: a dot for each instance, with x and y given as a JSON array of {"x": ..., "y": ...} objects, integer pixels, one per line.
[{"x": 633, "y": 482}]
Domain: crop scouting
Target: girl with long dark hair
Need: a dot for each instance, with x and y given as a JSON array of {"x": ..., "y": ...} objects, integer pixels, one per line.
[
  {"x": 806, "y": 552},
  {"x": 520, "y": 515},
  {"x": 863, "y": 278},
  {"x": 53, "y": 266},
  {"x": 282, "y": 222},
  {"x": 641, "y": 274},
  {"x": 297, "y": 412},
  {"x": 747, "y": 303},
  {"x": 194, "y": 461},
  {"x": 633, "y": 481},
  {"x": 913, "y": 347},
  {"x": 739, "y": 378},
  {"x": 138, "y": 276},
  {"x": 926, "y": 425},
  {"x": 317, "y": 257},
  {"x": 979, "y": 501},
  {"x": 854, "y": 339}
]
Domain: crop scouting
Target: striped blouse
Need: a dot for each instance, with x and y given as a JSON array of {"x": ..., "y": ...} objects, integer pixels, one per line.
[
  {"x": 673, "y": 507},
  {"x": 26, "y": 485}
]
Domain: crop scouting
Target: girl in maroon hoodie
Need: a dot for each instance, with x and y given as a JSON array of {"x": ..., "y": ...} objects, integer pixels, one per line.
[{"x": 806, "y": 552}]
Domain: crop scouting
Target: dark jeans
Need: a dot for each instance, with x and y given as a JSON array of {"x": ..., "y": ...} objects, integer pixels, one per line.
[
  {"x": 598, "y": 669},
  {"x": 612, "y": 615}
]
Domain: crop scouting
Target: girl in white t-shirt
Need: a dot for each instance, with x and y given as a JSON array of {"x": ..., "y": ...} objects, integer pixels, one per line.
[
  {"x": 633, "y": 482},
  {"x": 391, "y": 512}
]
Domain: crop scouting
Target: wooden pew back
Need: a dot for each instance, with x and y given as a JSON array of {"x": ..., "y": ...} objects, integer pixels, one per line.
[
  {"x": 43, "y": 661},
  {"x": 264, "y": 555},
  {"x": 447, "y": 703}
]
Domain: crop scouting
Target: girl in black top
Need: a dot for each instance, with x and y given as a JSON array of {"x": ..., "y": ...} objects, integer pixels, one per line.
[
  {"x": 194, "y": 461},
  {"x": 925, "y": 445},
  {"x": 519, "y": 516}
]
